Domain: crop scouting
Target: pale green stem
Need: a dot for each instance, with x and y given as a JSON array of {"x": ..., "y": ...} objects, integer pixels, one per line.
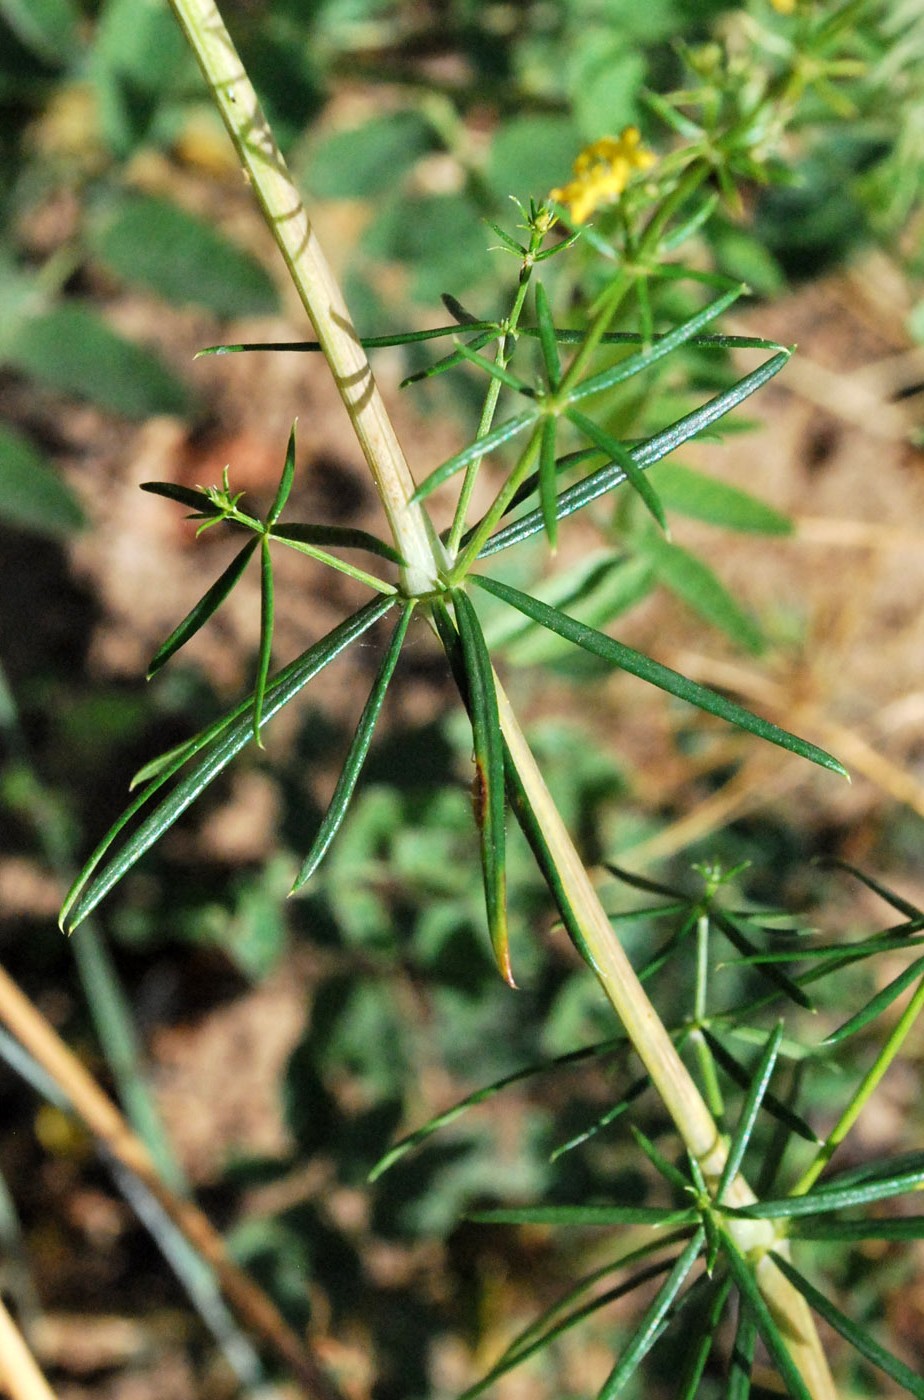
[
  {"x": 670, "y": 1076},
  {"x": 697, "y": 1039},
  {"x": 859, "y": 1100},
  {"x": 503, "y": 357},
  {"x": 285, "y": 215}
]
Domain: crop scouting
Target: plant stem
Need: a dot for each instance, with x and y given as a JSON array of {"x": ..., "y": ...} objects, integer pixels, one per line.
[
  {"x": 319, "y": 291},
  {"x": 869, "y": 1082},
  {"x": 504, "y": 353}
]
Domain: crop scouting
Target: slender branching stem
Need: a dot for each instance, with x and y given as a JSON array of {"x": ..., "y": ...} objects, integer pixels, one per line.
[
  {"x": 318, "y": 289},
  {"x": 863, "y": 1092}
]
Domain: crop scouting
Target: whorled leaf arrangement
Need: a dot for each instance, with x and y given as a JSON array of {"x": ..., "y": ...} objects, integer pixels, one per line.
[
  {"x": 536, "y": 473},
  {"x": 688, "y": 1245}
]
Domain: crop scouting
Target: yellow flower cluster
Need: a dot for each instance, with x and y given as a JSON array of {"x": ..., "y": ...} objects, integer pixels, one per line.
[
  {"x": 601, "y": 173},
  {"x": 784, "y": 7}
]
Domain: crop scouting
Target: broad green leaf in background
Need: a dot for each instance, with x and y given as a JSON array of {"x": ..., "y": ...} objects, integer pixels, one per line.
[
  {"x": 32, "y": 495},
  {"x": 139, "y": 61},
  {"x": 435, "y": 236},
  {"x": 606, "y": 77},
  {"x": 48, "y": 28},
  {"x": 531, "y": 154},
  {"x": 367, "y": 159},
  {"x": 153, "y": 243},
  {"x": 703, "y": 497},
  {"x": 70, "y": 349},
  {"x": 694, "y": 583}
]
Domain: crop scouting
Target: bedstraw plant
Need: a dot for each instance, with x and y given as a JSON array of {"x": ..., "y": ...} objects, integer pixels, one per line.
[{"x": 599, "y": 267}]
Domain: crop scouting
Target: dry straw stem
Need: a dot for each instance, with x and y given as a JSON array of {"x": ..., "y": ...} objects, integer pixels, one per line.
[
  {"x": 105, "y": 1122},
  {"x": 415, "y": 539},
  {"x": 319, "y": 291},
  {"x": 20, "y": 1377}
]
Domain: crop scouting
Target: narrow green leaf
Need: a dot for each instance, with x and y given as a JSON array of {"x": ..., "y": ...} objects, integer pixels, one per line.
[
  {"x": 661, "y": 346},
  {"x": 356, "y": 757},
  {"x": 651, "y": 1325},
  {"x": 658, "y": 1160},
  {"x": 92, "y": 884},
  {"x": 524, "y": 1347},
  {"x": 478, "y": 342},
  {"x": 691, "y": 580},
  {"x": 339, "y": 537},
  {"x": 544, "y": 1329},
  {"x": 643, "y": 454},
  {"x": 488, "y": 1091},
  {"x": 495, "y": 370},
  {"x": 505, "y": 238},
  {"x": 766, "y": 1326},
  {"x": 877, "y": 1004},
  {"x": 742, "y": 1357},
  {"x": 186, "y": 495},
  {"x": 489, "y": 777},
  {"x": 618, "y": 453},
  {"x": 829, "y": 1198},
  {"x": 547, "y": 480},
  {"x": 740, "y": 940},
  {"x": 642, "y": 882},
  {"x": 369, "y": 342},
  {"x": 774, "y": 1106},
  {"x": 586, "y": 1215},
  {"x": 858, "y": 1337},
  {"x": 704, "y": 1337},
  {"x": 701, "y": 497},
  {"x": 758, "y": 1088},
  {"x": 155, "y": 766},
  {"x": 603, "y": 1120},
  {"x": 617, "y": 654},
  {"x": 294, "y": 537},
  {"x": 264, "y": 657},
  {"x": 547, "y": 337},
  {"x": 695, "y": 221},
  {"x": 597, "y": 588},
  {"x": 33, "y": 495},
  {"x": 458, "y": 312},
  {"x": 668, "y": 114},
  {"x": 911, "y": 911},
  {"x": 475, "y": 450},
  {"x": 905, "y": 1227},
  {"x": 285, "y": 483},
  {"x": 206, "y": 606}
]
